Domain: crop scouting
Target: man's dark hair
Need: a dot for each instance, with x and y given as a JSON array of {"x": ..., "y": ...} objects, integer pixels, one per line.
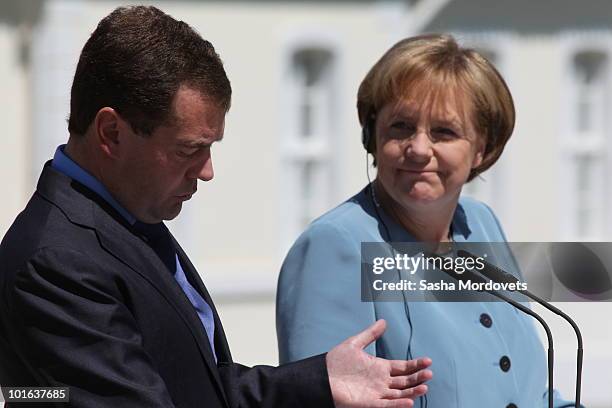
[{"x": 135, "y": 61}]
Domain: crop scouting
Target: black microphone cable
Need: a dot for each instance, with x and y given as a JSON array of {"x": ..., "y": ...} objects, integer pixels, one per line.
[
  {"x": 468, "y": 275},
  {"x": 423, "y": 402},
  {"x": 499, "y": 275}
]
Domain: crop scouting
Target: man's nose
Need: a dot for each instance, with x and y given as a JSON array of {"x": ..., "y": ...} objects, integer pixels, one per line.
[
  {"x": 207, "y": 172},
  {"x": 203, "y": 169}
]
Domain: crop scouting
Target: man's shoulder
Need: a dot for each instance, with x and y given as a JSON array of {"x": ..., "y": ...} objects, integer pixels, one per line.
[
  {"x": 61, "y": 213},
  {"x": 41, "y": 225}
]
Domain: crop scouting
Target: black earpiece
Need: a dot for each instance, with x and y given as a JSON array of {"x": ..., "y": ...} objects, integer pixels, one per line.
[{"x": 367, "y": 132}]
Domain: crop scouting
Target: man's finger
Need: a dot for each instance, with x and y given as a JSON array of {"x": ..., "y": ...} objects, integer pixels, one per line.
[
  {"x": 406, "y": 381},
  {"x": 412, "y": 393},
  {"x": 363, "y": 339},
  {"x": 403, "y": 367},
  {"x": 397, "y": 403}
]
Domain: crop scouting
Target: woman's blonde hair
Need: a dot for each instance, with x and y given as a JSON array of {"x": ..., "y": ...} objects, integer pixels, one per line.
[{"x": 436, "y": 64}]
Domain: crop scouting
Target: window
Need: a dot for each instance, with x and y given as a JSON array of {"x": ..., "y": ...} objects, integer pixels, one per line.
[
  {"x": 306, "y": 148},
  {"x": 585, "y": 144}
]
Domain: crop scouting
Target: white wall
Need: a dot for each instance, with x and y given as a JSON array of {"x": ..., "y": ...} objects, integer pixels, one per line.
[
  {"x": 231, "y": 228},
  {"x": 14, "y": 142}
]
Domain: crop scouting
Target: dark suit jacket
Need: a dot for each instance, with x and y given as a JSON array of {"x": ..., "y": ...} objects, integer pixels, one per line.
[{"x": 86, "y": 303}]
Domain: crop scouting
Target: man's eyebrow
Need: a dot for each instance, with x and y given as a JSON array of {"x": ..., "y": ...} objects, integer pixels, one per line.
[{"x": 199, "y": 143}]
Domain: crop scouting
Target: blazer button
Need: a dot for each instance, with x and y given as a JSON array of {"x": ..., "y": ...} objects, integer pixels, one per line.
[
  {"x": 511, "y": 405},
  {"x": 504, "y": 363},
  {"x": 486, "y": 320}
]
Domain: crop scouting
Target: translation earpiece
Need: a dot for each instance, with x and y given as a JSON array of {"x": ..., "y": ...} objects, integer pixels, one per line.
[{"x": 367, "y": 131}]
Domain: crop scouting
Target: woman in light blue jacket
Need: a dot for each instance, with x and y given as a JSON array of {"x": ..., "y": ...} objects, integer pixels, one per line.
[{"x": 434, "y": 116}]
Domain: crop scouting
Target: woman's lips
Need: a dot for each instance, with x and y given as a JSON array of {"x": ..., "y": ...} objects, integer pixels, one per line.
[{"x": 417, "y": 171}]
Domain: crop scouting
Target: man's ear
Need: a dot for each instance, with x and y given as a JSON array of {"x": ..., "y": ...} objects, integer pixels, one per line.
[{"x": 110, "y": 129}]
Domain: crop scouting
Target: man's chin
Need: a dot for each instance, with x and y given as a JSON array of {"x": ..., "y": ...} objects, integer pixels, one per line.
[
  {"x": 176, "y": 211},
  {"x": 172, "y": 212}
]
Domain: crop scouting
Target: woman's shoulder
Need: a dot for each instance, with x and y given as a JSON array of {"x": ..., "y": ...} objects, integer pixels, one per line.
[
  {"x": 475, "y": 208},
  {"x": 479, "y": 220},
  {"x": 351, "y": 218}
]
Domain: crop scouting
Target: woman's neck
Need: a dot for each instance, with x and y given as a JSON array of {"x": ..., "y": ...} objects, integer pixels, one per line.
[{"x": 429, "y": 222}]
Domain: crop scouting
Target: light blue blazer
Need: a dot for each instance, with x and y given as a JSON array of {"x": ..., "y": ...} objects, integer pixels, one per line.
[{"x": 319, "y": 305}]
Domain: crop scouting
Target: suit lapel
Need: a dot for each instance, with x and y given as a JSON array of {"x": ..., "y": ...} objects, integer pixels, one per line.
[
  {"x": 84, "y": 207},
  {"x": 136, "y": 254},
  {"x": 221, "y": 345}
]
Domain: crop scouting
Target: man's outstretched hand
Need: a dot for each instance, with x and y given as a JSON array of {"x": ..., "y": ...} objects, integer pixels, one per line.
[{"x": 358, "y": 379}]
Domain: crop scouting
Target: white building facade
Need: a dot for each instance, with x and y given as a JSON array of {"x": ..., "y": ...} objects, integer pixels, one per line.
[{"x": 292, "y": 142}]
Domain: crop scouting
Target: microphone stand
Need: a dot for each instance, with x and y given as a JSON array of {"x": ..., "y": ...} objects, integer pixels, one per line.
[
  {"x": 499, "y": 275},
  {"x": 469, "y": 275}
]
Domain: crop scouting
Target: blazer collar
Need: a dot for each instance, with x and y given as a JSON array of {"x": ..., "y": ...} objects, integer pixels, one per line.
[
  {"x": 221, "y": 345},
  {"x": 459, "y": 225},
  {"x": 87, "y": 209}
]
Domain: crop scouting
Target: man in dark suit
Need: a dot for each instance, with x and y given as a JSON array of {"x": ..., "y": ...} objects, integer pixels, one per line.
[{"x": 96, "y": 295}]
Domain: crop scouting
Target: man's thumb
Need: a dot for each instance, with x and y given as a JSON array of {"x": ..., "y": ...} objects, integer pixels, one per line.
[{"x": 369, "y": 335}]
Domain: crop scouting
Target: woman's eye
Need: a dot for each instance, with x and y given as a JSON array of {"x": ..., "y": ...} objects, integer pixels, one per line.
[
  {"x": 444, "y": 132},
  {"x": 401, "y": 125},
  {"x": 402, "y": 129}
]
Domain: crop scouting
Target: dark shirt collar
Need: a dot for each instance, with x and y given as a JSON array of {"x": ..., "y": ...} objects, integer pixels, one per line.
[
  {"x": 64, "y": 164},
  {"x": 460, "y": 228}
]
